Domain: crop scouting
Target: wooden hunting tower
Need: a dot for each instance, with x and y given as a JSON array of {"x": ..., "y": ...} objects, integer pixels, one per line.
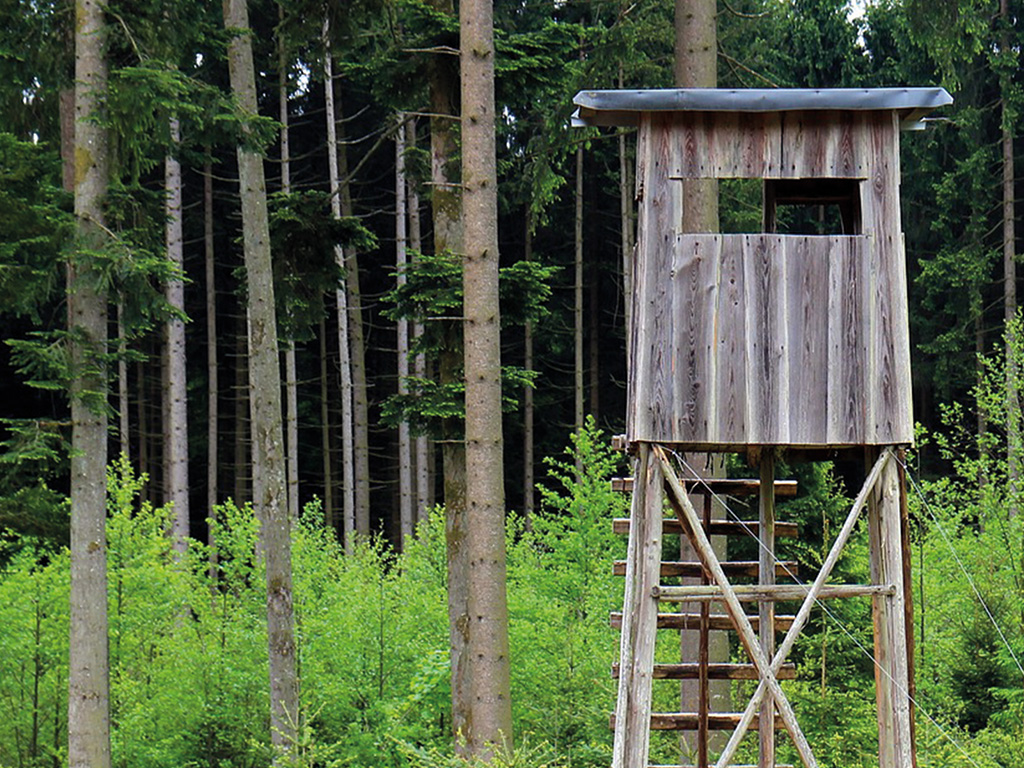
[{"x": 790, "y": 339}]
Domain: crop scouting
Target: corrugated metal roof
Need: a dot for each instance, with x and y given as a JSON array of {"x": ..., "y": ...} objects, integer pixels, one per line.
[{"x": 622, "y": 107}]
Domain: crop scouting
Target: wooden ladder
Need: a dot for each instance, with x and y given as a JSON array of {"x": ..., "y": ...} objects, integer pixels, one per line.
[
  {"x": 768, "y": 709},
  {"x": 702, "y": 621}
]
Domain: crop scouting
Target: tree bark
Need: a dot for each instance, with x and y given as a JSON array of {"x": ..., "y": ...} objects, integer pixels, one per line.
[
  {"x": 446, "y": 211},
  {"x": 528, "y": 431},
  {"x": 405, "y": 489},
  {"x": 490, "y": 725},
  {"x": 291, "y": 386},
  {"x": 330, "y": 518},
  {"x": 88, "y": 675},
  {"x": 348, "y": 439},
  {"x": 212, "y": 369},
  {"x": 265, "y": 377},
  {"x": 1013, "y": 438},
  {"x": 577, "y": 305},
  {"x": 422, "y": 442},
  {"x": 176, "y": 393}
]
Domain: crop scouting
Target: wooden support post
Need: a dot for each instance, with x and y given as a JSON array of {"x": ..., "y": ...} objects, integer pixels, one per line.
[
  {"x": 892, "y": 685},
  {"x": 703, "y": 658},
  {"x": 766, "y": 610},
  {"x": 640, "y": 616},
  {"x": 908, "y": 598}
]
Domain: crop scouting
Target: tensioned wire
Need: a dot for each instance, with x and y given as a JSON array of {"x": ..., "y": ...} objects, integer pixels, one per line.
[
  {"x": 835, "y": 619},
  {"x": 959, "y": 562}
]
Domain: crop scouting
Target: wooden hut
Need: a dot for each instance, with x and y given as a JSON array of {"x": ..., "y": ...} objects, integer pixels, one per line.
[{"x": 786, "y": 339}]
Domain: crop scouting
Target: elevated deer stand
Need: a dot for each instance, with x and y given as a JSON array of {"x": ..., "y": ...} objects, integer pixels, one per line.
[{"x": 788, "y": 341}]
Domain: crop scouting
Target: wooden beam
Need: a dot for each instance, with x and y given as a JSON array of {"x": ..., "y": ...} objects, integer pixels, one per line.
[
  {"x": 636, "y": 643},
  {"x": 687, "y": 721},
  {"x": 747, "y": 637},
  {"x": 766, "y": 608},
  {"x": 620, "y": 525},
  {"x": 721, "y": 486},
  {"x": 751, "y": 593},
  {"x": 684, "y": 621},
  {"x": 733, "y": 568},
  {"x": 690, "y": 671}
]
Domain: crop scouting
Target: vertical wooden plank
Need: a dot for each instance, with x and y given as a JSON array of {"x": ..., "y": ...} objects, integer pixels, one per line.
[
  {"x": 807, "y": 272},
  {"x": 888, "y": 613},
  {"x": 908, "y": 598},
  {"x": 766, "y": 610},
  {"x": 703, "y": 658},
  {"x": 639, "y": 616},
  {"x": 767, "y": 356},
  {"x": 848, "y": 293},
  {"x": 651, "y": 406},
  {"x": 694, "y": 286},
  {"x": 730, "y": 389},
  {"x": 890, "y": 397}
]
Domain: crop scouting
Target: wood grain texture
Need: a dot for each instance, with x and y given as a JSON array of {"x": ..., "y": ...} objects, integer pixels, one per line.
[{"x": 773, "y": 340}]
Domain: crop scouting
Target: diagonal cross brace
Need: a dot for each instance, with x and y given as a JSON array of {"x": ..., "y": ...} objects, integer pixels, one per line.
[
  {"x": 805, "y": 608},
  {"x": 688, "y": 517}
]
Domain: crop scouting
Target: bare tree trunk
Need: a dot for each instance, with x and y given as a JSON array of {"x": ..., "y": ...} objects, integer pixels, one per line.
[
  {"x": 291, "y": 386},
  {"x": 528, "y": 431},
  {"x": 423, "y": 450},
  {"x": 88, "y": 675},
  {"x": 577, "y": 305},
  {"x": 357, "y": 354},
  {"x": 348, "y": 439},
  {"x": 626, "y": 220},
  {"x": 212, "y": 369},
  {"x": 265, "y": 374},
  {"x": 241, "y": 416},
  {"x": 175, "y": 409},
  {"x": 490, "y": 725},
  {"x": 123, "y": 403},
  {"x": 405, "y": 498},
  {"x": 1013, "y": 439},
  {"x": 330, "y": 519}
]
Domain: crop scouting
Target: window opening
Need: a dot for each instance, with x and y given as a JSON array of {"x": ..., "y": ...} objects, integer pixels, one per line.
[{"x": 812, "y": 206}]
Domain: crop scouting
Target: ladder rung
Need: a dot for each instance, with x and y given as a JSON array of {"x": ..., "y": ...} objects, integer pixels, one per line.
[
  {"x": 620, "y": 525},
  {"x": 723, "y": 486},
  {"x": 767, "y": 592},
  {"x": 689, "y": 721},
  {"x": 734, "y": 568},
  {"x": 731, "y": 765},
  {"x": 716, "y": 621},
  {"x": 715, "y": 672}
]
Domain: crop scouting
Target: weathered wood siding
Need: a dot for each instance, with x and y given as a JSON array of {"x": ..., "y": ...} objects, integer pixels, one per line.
[{"x": 767, "y": 339}]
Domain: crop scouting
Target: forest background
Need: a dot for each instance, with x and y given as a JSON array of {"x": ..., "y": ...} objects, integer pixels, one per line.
[{"x": 188, "y": 628}]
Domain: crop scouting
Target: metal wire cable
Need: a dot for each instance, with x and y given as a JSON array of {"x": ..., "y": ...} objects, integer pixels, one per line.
[
  {"x": 835, "y": 619},
  {"x": 959, "y": 562}
]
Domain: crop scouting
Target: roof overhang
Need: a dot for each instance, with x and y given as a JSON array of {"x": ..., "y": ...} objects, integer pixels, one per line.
[{"x": 623, "y": 107}]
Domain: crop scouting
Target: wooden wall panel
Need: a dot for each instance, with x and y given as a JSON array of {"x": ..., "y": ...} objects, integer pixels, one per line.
[{"x": 769, "y": 340}]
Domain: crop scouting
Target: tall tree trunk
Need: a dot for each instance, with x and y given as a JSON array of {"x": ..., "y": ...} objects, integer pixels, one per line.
[
  {"x": 422, "y": 444},
  {"x": 357, "y": 354},
  {"x": 88, "y": 674},
  {"x": 626, "y": 220},
  {"x": 528, "y": 431},
  {"x": 265, "y": 374},
  {"x": 212, "y": 369},
  {"x": 490, "y": 724},
  {"x": 291, "y": 386},
  {"x": 577, "y": 305},
  {"x": 446, "y": 209},
  {"x": 330, "y": 519},
  {"x": 123, "y": 403},
  {"x": 348, "y": 439},
  {"x": 405, "y": 490},
  {"x": 241, "y": 416},
  {"x": 1013, "y": 440},
  {"x": 696, "y": 66},
  {"x": 175, "y": 409}
]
